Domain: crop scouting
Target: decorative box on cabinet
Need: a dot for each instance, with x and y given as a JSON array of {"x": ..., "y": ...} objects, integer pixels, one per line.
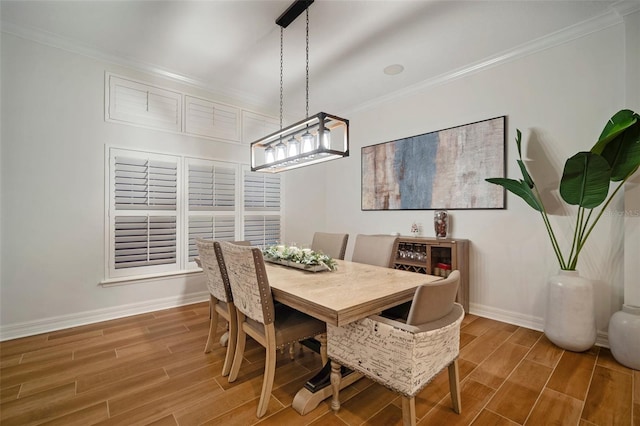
[{"x": 435, "y": 257}]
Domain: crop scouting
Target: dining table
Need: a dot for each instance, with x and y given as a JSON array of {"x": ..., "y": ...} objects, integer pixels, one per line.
[{"x": 351, "y": 292}]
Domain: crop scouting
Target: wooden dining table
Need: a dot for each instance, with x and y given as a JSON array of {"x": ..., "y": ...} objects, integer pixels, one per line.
[{"x": 352, "y": 292}]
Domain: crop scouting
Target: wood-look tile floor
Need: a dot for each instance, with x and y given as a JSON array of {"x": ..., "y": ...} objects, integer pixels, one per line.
[{"x": 151, "y": 369}]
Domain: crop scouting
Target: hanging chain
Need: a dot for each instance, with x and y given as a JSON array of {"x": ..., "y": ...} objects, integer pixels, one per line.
[
  {"x": 281, "y": 62},
  {"x": 307, "y": 88}
]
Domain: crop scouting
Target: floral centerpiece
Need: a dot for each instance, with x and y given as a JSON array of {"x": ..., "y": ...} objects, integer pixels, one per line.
[{"x": 303, "y": 258}]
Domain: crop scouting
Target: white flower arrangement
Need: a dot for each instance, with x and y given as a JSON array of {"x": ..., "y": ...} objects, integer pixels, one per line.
[{"x": 297, "y": 255}]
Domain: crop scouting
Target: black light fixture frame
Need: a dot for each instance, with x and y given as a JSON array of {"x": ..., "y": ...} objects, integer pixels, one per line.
[{"x": 321, "y": 123}]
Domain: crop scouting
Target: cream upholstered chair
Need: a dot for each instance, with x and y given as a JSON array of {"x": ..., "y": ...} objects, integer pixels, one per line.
[
  {"x": 273, "y": 326},
  {"x": 220, "y": 299},
  {"x": 404, "y": 356},
  {"x": 374, "y": 249},
  {"x": 333, "y": 245},
  {"x": 214, "y": 280}
]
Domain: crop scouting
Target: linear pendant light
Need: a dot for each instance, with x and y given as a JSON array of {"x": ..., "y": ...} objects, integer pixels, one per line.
[{"x": 318, "y": 138}]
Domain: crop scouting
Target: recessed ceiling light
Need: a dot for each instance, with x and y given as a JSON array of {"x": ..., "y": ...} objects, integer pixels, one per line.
[{"x": 393, "y": 69}]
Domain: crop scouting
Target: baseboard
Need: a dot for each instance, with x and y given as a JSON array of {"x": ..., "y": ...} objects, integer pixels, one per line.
[
  {"x": 527, "y": 321},
  {"x": 30, "y": 328}
]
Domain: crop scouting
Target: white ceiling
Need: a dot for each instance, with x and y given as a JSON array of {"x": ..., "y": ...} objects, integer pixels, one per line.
[{"x": 233, "y": 47}]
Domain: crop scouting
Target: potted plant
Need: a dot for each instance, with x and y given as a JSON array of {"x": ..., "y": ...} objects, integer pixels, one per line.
[{"x": 615, "y": 157}]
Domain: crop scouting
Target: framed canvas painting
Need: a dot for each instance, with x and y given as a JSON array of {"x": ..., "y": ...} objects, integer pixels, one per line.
[{"x": 445, "y": 169}]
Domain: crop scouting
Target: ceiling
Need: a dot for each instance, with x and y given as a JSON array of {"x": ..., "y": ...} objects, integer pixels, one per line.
[{"x": 233, "y": 47}]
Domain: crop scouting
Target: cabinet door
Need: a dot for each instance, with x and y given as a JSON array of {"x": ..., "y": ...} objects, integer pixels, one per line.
[
  {"x": 256, "y": 126},
  {"x": 440, "y": 256},
  {"x": 206, "y": 118}
]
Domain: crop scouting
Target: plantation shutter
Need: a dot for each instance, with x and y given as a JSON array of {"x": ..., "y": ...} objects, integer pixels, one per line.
[
  {"x": 256, "y": 126},
  {"x": 262, "y": 207},
  {"x": 261, "y": 191},
  {"x": 206, "y": 118},
  {"x": 144, "y": 184},
  {"x": 144, "y": 241},
  {"x": 142, "y": 104},
  {"x": 144, "y": 223},
  {"x": 212, "y": 206},
  {"x": 262, "y": 230}
]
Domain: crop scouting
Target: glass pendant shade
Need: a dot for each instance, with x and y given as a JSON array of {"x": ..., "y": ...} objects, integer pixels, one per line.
[
  {"x": 294, "y": 147},
  {"x": 281, "y": 151},
  {"x": 307, "y": 142},
  {"x": 324, "y": 139},
  {"x": 269, "y": 155}
]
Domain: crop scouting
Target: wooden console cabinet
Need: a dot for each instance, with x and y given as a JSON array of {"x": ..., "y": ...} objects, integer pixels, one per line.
[{"x": 435, "y": 257}]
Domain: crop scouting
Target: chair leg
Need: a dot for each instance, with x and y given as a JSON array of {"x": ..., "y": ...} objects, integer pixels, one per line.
[
  {"x": 239, "y": 352},
  {"x": 408, "y": 411},
  {"x": 232, "y": 342},
  {"x": 454, "y": 386},
  {"x": 269, "y": 370},
  {"x": 213, "y": 324}
]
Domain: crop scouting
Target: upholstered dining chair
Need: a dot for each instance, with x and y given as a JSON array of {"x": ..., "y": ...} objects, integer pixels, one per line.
[
  {"x": 274, "y": 326},
  {"x": 224, "y": 339},
  {"x": 333, "y": 245},
  {"x": 220, "y": 299},
  {"x": 404, "y": 356},
  {"x": 374, "y": 249}
]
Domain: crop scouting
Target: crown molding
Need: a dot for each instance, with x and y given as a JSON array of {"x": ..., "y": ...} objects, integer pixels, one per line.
[
  {"x": 73, "y": 46},
  {"x": 626, "y": 7},
  {"x": 605, "y": 20},
  {"x": 582, "y": 29}
]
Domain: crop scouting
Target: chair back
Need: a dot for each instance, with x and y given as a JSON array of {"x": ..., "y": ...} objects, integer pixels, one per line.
[
  {"x": 248, "y": 281},
  {"x": 434, "y": 300},
  {"x": 212, "y": 264},
  {"x": 374, "y": 249},
  {"x": 333, "y": 245}
]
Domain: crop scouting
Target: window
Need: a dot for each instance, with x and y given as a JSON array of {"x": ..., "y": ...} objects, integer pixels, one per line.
[
  {"x": 212, "y": 202},
  {"x": 159, "y": 204},
  {"x": 145, "y": 202},
  {"x": 261, "y": 208}
]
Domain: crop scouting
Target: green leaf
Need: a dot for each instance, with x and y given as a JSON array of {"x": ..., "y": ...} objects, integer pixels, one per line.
[
  {"x": 519, "y": 142},
  {"x": 623, "y": 153},
  {"x": 525, "y": 174},
  {"x": 585, "y": 180},
  {"x": 523, "y": 169},
  {"x": 617, "y": 124},
  {"x": 519, "y": 188}
]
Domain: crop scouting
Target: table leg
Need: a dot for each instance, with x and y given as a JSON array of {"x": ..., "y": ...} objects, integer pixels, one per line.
[
  {"x": 335, "y": 385},
  {"x": 306, "y": 401}
]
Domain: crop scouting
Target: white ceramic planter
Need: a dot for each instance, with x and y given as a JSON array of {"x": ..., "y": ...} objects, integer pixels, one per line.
[
  {"x": 624, "y": 336},
  {"x": 570, "y": 320}
]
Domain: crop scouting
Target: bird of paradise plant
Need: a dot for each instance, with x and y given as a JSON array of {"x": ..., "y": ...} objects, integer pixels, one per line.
[{"x": 585, "y": 182}]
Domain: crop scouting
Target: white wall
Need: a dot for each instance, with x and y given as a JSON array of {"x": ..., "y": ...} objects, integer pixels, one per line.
[
  {"x": 560, "y": 98},
  {"x": 53, "y": 201},
  {"x": 632, "y": 188}
]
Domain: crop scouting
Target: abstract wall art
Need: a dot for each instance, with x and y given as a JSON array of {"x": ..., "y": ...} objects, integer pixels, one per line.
[{"x": 445, "y": 169}]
